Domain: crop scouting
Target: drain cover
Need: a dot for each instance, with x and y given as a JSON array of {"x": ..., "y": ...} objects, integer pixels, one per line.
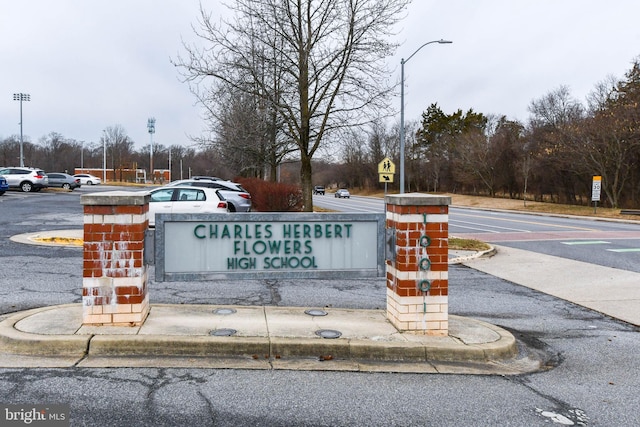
[
  {"x": 328, "y": 333},
  {"x": 223, "y": 332},
  {"x": 315, "y": 312},
  {"x": 224, "y": 311}
]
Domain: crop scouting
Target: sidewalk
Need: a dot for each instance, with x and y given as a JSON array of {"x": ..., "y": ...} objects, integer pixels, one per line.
[{"x": 607, "y": 290}]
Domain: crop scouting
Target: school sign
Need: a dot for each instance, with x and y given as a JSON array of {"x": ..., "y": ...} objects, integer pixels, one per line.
[
  {"x": 283, "y": 245},
  {"x": 408, "y": 245}
]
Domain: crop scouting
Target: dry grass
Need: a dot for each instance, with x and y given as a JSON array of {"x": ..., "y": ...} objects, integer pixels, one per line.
[{"x": 483, "y": 202}]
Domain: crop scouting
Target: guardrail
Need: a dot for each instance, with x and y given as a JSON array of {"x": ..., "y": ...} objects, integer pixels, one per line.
[{"x": 630, "y": 212}]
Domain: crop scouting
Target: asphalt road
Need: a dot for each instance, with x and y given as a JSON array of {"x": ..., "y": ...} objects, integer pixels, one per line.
[
  {"x": 591, "y": 377},
  {"x": 609, "y": 243}
]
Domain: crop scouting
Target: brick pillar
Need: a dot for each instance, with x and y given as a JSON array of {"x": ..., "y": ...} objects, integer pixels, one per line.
[
  {"x": 114, "y": 283},
  {"x": 418, "y": 271}
]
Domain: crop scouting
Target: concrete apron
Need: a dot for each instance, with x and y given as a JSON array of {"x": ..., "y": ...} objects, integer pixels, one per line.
[{"x": 264, "y": 338}]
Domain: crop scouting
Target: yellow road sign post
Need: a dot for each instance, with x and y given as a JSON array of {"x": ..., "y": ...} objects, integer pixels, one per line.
[{"x": 386, "y": 170}]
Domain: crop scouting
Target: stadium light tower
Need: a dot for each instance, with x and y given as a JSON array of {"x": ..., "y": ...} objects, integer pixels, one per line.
[{"x": 21, "y": 97}]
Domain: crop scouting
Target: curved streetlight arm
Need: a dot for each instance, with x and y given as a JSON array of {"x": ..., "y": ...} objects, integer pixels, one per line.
[
  {"x": 402, "y": 62},
  {"x": 441, "y": 41}
]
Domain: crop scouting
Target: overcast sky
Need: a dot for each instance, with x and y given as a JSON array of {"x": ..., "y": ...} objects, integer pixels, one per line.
[{"x": 92, "y": 64}]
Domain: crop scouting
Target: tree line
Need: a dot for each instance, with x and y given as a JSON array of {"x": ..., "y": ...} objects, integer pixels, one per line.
[
  {"x": 552, "y": 157},
  {"x": 56, "y": 153}
]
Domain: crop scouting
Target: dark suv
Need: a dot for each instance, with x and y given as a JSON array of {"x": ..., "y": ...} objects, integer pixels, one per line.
[
  {"x": 318, "y": 189},
  {"x": 25, "y": 179}
]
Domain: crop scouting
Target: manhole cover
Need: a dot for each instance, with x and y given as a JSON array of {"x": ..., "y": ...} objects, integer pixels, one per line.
[
  {"x": 316, "y": 312},
  {"x": 328, "y": 333},
  {"x": 223, "y": 332},
  {"x": 224, "y": 311}
]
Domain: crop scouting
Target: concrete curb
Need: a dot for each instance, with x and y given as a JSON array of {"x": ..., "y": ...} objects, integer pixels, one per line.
[
  {"x": 479, "y": 343},
  {"x": 479, "y": 254},
  {"x": 14, "y": 341}
]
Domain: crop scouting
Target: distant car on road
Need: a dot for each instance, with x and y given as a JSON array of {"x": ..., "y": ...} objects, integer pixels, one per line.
[
  {"x": 185, "y": 199},
  {"x": 318, "y": 189},
  {"x": 63, "y": 180},
  {"x": 25, "y": 179},
  {"x": 342, "y": 193},
  {"x": 88, "y": 179}
]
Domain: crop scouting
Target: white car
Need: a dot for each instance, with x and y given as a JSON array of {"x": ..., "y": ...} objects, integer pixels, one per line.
[
  {"x": 88, "y": 179},
  {"x": 238, "y": 199},
  {"x": 342, "y": 193},
  {"x": 185, "y": 200}
]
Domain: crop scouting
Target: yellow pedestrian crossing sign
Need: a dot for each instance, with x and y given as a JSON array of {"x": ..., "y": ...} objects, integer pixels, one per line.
[{"x": 387, "y": 167}]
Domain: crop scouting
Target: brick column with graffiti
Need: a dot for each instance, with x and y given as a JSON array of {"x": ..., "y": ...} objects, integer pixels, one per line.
[
  {"x": 114, "y": 283},
  {"x": 417, "y": 263}
]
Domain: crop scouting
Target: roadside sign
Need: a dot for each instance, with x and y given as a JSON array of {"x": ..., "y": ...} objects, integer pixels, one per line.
[
  {"x": 595, "y": 188},
  {"x": 386, "y": 177},
  {"x": 386, "y": 167}
]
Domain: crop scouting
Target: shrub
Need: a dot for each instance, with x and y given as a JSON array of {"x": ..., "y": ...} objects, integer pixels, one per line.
[{"x": 269, "y": 196}]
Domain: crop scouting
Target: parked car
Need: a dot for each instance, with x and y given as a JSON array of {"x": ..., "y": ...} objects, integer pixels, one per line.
[
  {"x": 342, "y": 193},
  {"x": 318, "y": 189},
  {"x": 25, "y": 179},
  {"x": 88, "y": 179},
  {"x": 185, "y": 199},
  {"x": 210, "y": 178},
  {"x": 237, "y": 197},
  {"x": 63, "y": 180},
  {"x": 3, "y": 185}
]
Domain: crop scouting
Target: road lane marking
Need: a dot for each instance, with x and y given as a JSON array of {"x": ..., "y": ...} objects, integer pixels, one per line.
[
  {"x": 526, "y": 222},
  {"x": 490, "y": 229},
  {"x": 625, "y": 250},
  {"x": 586, "y": 242}
]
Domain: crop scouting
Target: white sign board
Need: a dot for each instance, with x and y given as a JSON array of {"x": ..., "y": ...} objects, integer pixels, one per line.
[
  {"x": 595, "y": 188},
  {"x": 264, "y": 245}
]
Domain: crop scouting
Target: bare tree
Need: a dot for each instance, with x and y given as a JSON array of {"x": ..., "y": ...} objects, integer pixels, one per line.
[
  {"x": 326, "y": 54},
  {"x": 610, "y": 138},
  {"x": 119, "y": 149},
  {"x": 553, "y": 127}
]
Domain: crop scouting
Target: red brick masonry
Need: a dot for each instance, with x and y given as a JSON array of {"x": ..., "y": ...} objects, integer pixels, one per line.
[
  {"x": 417, "y": 279},
  {"x": 114, "y": 284}
]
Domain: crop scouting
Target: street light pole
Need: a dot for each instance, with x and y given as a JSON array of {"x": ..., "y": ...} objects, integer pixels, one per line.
[
  {"x": 104, "y": 157},
  {"x": 21, "y": 97},
  {"x": 402, "y": 62},
  {"x": 151, "y": 126}
]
